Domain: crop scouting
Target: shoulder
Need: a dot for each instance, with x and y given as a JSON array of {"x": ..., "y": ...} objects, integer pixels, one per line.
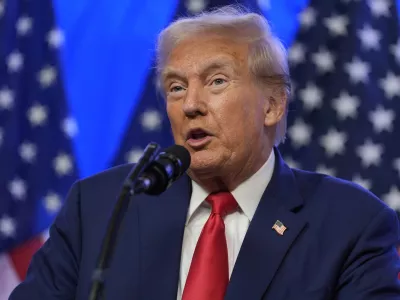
[
  {"x": 342, "y": 213},
  {"x": 100, "y": 190},
  {"x": 111, "y": 177},
  {"x": 338, "y": 197}
]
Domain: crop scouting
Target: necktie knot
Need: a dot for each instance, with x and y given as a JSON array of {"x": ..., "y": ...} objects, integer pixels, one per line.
[{"x": 222, "y": 203}]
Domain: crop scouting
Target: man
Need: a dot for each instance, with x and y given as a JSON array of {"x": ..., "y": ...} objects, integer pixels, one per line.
[{"x": 242, "y": 224}]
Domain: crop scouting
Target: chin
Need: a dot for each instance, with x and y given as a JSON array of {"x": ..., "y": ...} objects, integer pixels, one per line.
[{"x": 203, "y": 162}]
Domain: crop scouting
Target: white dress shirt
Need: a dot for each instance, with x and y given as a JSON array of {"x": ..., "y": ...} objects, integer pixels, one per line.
[{"x": 248, "y": 194}]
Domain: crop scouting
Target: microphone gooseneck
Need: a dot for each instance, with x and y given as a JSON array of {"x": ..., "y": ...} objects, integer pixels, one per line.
[{"x": 152, "y": 174}]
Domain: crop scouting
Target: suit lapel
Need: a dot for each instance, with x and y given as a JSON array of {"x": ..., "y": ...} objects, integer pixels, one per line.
[
  {"x": 161, "y": 227},
  {"x": 263, "y": 249}
]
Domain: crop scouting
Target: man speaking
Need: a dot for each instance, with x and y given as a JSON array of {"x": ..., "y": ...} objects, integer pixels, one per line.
[{"x": 241, "y": 224}]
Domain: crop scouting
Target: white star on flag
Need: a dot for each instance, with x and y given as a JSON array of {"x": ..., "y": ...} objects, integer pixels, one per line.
[
  {"x": 370, "y": 153},
  {"x": 52, "y": 203},
  {"x": 307, "y": 18},
  {"x": 47, "y": 76},
  {"x": 28, "y": 152},
  {"x": 296, "y": 54},
  {"x": 7, "y": 226},
  {"x": 37, "y": 115},
  {"x": 382, "y": 119},
  {"x": 55, "y": 38},
  {"x": 369, "y": 37},
  {"x": 358, "y": 70},
  {"x": 70, "y": 127},
  {"x": 195, "y": 6},
  {"x": 324, "y": 61},
  {"x": 62, "y": 164},
  {"x": 134, "y": 155},
  {"x": 393, "y": 198},
  {"x": 151, "y": 120},
  {"x": 334, "y": 142},
  {"x": 300, "y": 133},
  {"x": 15, "y": 61},
  {"x": 379, "y": 8},
  {"x": 337, "y": 25},
  {"x": 391, "y": 85},
  {"x": 346, "y": 106},
  {"x": 24, "y": 25},
  {"x": 6, "y": 98},
  {"x": 311, "y": 96},
  {"x": 17, "y": 188}
]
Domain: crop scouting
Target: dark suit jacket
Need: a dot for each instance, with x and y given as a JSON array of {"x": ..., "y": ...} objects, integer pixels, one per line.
[{"x": 339, "y": 243}]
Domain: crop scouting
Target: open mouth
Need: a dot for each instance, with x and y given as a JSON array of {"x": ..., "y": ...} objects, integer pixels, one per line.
[
  {"x": 198, "y": 138},
  {"x": 197, "y": 134}
]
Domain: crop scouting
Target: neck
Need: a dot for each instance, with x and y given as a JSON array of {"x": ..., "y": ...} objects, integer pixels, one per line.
[{"x": 230, "y": 177}]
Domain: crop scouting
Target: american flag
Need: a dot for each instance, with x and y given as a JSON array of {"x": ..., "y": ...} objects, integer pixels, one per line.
[
  {"x": 345, "y": 115},
  {"x": 279, "y": 227},
  {"x": 37, "y": 165},
  {"x": 342, "y": 119}
]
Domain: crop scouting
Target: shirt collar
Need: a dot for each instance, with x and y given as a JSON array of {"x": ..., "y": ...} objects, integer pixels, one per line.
[{"x": 248, "y": 194}]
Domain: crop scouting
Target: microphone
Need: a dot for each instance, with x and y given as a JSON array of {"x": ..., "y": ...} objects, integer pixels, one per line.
[{"x": 163, "y": 171}]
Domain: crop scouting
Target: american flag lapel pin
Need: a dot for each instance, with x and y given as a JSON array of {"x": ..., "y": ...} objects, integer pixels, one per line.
[{"x": 279, "y": 227}]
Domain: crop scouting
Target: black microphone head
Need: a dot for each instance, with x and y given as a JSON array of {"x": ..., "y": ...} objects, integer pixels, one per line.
[
  {"x": 169, "y": 165},
  {"x": 182, "y": 154}
]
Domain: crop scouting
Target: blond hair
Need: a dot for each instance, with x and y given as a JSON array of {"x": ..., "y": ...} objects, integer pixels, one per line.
[{"x": 267, "y": 56}]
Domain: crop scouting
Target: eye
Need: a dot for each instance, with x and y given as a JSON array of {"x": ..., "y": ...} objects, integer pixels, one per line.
[
  {"x": 218, "y": 81},
  {"x": 176, "y": 88}
]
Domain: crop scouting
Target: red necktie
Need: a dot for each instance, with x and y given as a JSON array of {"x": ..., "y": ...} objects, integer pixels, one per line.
[{"x": 209, "y": 271}]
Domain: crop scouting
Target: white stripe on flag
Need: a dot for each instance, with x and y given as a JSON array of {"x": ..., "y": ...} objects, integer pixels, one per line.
[{"x": 8, "y": 278}]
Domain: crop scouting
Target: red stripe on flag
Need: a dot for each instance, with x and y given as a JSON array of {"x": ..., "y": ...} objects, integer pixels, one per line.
[{"x": 21, "y": 256}]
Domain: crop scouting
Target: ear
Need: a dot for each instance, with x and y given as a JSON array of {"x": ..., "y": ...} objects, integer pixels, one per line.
[{"x": 275, "y": 107}]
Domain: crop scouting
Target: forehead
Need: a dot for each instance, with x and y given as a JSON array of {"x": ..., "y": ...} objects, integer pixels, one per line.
[{"x": 195, "y": 54}]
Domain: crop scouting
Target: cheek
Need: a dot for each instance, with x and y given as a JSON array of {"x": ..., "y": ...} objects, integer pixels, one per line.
[
  {"x": 233, "y": 111},
  {"x": 231, "y": 120},
  {"x": 238, "y": 116},
  {"x": 174, "y": 111},
  {"x": 174, "y": 118}
]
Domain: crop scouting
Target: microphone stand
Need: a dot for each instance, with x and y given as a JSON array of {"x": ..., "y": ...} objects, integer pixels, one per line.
[{"x": 107, "y": 250}]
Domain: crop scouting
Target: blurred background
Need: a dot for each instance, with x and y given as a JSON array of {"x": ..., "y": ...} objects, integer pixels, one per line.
[{"x": 77, "y": 96}]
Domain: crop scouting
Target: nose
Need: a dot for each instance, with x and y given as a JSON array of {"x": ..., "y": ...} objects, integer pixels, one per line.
[{"x": 194, "y": 102}]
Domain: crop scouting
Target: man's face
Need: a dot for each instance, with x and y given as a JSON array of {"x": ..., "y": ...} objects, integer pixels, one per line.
[{"x": 216, "y": 109}]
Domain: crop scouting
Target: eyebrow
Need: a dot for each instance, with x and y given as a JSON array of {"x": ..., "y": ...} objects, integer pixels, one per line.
[{"x": 213, "y": 64}]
